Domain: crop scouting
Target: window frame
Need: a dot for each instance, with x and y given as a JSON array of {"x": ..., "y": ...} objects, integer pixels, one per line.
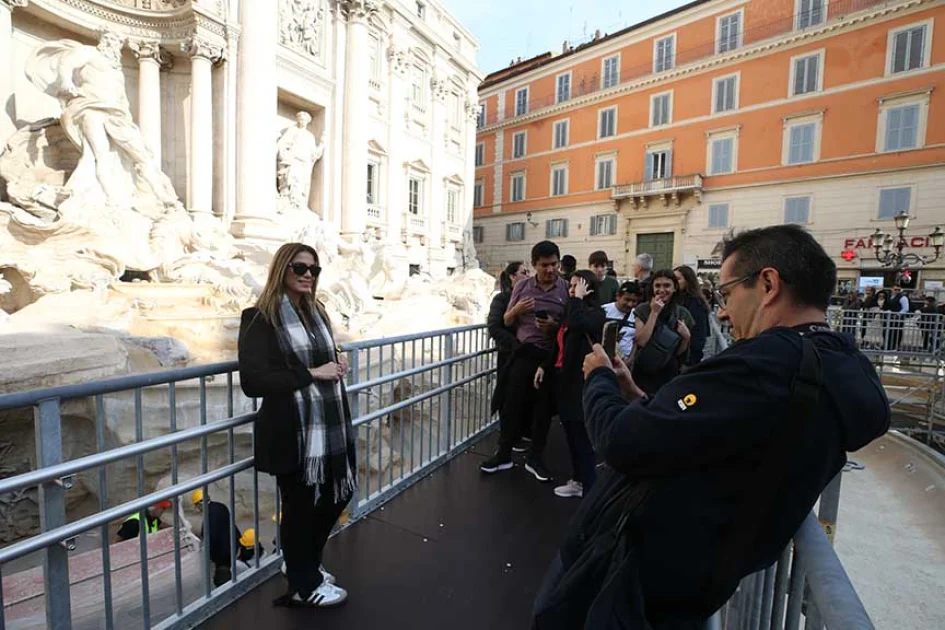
[
  {"x": 453, "y": 193},
  {"x": 567, "y": 133},
  {"x": 479, "y": 159},
  {"x": 656, "y": 47},
  {"x": 478, "y": 234},
  {"x": 560, "y": 221},
  {"x": 515, "y": 136},
  {"x": 784, "y": 208},
  {"x": 728, "y": 215},
  {"x": 926, "y": 61},
  {"x": 821, "y": 55},
  {"x": 420, "y": 180},
  {"x": 561, "y": 167},
  {"x": 521, "y": 90},
  {"x": 922, "y": 99},
  {"x": 479, "y": 193},
  {"x": 655, "y": 148},
  {"x": 603, "y": 71},
  {"x": 715, "y": 136},
  {"x": 824, "y": 10},
  {"x": 653, "y": 99},
  {"x": 879, "y": 200},
  {"x": 737, "y": 76},
  {"x": 512, "y": 177},
  {"x": 600, "y": 115},
  {"x": 789, "y": 123},
  {"x": 602, "y": 159},
  {"x": 741, "y": 31},
  {"x": 609, "y": 223},
  {"x": 481, "y": 116},
  {"x": 373, "y": 184},
  {"x": 508, "y": 231},
  {"x": 570, "y": 75}
]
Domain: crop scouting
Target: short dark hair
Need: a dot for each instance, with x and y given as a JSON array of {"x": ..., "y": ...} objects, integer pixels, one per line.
[
  {"x": 597, "y": 258},
  {"x": 545, "y": 249},
  {"x": 632, "y": 288},
  {"x": 505, "y": 278},
  {"x": 804, "y": 266},
  {"x": 568, "y": 262}
]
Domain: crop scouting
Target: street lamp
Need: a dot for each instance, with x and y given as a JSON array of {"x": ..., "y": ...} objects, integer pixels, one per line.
[{"x": 889, "y": 250}]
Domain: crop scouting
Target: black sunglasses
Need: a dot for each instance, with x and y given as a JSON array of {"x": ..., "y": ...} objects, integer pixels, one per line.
[{"x": 299, "y": 269}]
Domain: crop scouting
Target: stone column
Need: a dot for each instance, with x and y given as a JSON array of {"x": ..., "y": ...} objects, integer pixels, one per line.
[
  {"x": 151, "y": 59},
  {"x": 355, "y": 139},
  {"x": 200, "y": 176},
  {"x": 436, "y": 208},
  {"x": 256, "y": 110},
  {"x": 396, "y": 188},
  {"x": 7, "y": 112}
]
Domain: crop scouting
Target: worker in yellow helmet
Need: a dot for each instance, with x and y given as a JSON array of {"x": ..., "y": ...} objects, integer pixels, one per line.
[
  {"x": 132, "y": 525},
  {"x": 217, "y": 537}
]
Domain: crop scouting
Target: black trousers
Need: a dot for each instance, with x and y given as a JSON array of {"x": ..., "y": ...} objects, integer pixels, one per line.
[
  {"x": 306, "y": 525},
  {"x": 525, "y": 406}
]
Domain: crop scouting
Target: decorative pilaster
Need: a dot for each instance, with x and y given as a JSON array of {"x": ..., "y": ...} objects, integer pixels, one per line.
[
  {"x": 355, "y": 110},
  {"x": 257, "y": 102},
  {"x": 151, "y": 60},
  {"x": 7, "y": 113},
  {"x": 203, "y": 55},
  {"x": 399, "y": 116}
]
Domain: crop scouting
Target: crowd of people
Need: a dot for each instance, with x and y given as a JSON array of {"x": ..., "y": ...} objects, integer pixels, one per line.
[{"x": 878, "y": 318}]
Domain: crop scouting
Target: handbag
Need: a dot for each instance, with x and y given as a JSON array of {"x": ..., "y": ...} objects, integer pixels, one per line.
[{"x": 660, "y": 349}]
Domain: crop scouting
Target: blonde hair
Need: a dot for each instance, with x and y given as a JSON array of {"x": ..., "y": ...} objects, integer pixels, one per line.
[{"x": 271, "y": 296}]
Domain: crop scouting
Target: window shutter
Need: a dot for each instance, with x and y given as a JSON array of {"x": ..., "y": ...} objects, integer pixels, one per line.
[
  {"x": 548, "y": 228},
  {"x": 650, "y": 164},
  {"x": 901, "y": 49},
  {"x": 669, "y": 164},
  {"x": 916, "y": 48},
  {"x": 813, "y": 69},
  {"x": 564, "y": 228}
]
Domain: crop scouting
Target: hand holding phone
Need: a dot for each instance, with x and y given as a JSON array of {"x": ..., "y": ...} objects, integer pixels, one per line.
[
  {"x": 610, "y": 338},
  {"x": 541, "y": 314}
]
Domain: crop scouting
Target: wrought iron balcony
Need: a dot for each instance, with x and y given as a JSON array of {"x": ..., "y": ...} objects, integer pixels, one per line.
[{"x": 669, "y": 188}]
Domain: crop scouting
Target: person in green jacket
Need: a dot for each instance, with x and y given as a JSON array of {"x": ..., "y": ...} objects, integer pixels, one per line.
[{"x": 608, "y": 284}]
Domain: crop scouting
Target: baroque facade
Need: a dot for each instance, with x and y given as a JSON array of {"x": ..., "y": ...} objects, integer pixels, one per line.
[
  {"x": 719, "y": 116},
  {"x": 389, "y": 88}
]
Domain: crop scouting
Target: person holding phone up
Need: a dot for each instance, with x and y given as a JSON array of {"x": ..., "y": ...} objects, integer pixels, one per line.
[
  {"x": 663, "y": 334},
  {"x": 580, "y": 329},
  {"x": 535, "y": 311}
]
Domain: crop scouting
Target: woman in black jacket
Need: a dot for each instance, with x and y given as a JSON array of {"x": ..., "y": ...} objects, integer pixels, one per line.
[
  {"x": 502, "y": 335},
  {"x": 303, "y": 432},
  {"x": 581, "y": 327},
  {"x": 692, "y": 299}
]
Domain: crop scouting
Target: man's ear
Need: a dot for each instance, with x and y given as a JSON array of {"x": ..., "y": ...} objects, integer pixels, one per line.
[{"x": 772, "y": 284}]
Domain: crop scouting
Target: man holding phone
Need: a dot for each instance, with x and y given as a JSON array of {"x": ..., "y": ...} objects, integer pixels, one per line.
[{"x": 535, "y": 311}]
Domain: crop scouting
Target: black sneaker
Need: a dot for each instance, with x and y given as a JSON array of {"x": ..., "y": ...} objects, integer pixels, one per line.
[
  {"x": 499, "y": 461},
  {"x": 521, "y": 447},
  {"x": 535, "y": 466}
]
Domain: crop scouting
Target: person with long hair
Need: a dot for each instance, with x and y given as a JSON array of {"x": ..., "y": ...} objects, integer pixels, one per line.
[
  {"x": 659, "y": 354},
  {"x": 692, "y": 299},
  {"x": 504, "y": 336},
  {"x": 303, "y": 432},
  {"x": 581, "y": 328}
]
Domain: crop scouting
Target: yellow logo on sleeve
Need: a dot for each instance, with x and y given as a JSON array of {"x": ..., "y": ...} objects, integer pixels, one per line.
[{"x": 687, "y": 401}]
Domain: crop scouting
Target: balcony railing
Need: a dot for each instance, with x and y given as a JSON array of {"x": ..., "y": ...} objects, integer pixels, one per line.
[
  {"x": 669, "y": 188},
  {"x": 591, "y": 82},
  {"x": 415, "y": 224}
]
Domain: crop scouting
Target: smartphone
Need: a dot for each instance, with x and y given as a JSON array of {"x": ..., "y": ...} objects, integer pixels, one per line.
[
  {"x": 541, "y": 314},
  {"x": 610, "y": 338}
]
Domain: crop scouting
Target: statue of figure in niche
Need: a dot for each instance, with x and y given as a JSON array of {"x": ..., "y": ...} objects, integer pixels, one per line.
[
  {"x": 116, "y": 169},
  {"x": 296, "y": 155}
]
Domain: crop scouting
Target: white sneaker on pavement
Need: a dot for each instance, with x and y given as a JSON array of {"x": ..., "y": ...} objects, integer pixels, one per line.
[
  {"x": 571, "y": 489},
  {"x": 325, "y": 596}
]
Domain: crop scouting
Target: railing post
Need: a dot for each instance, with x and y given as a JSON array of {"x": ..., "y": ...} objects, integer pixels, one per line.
[
  {"x": 47, "y": 423},
  {"x": 446, "y": 377},
  {"x": 354, "y": 365},
  {"x": 830, "y": 507}
]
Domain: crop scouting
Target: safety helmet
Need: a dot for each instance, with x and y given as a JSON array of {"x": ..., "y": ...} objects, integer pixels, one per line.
[
  {"x": 197, "y": 496},
  {"x": 248, "y": 539}
]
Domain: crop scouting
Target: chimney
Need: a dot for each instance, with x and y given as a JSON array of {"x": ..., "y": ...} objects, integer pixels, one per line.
[
  {"x": 596, "y": 35},
  {"x": 519, "y": 60},
  {"x": 564, "y": 47}
]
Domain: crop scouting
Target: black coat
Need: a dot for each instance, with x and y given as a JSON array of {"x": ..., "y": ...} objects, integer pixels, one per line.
[
  {"x": 583, "y": 321},
  {"x": 700, "y": 312},
  {"x": 266, "y": 373},
  {"x": 506, "y": 343}
]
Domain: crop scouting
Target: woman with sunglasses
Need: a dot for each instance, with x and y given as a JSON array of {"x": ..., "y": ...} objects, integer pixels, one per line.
[{"x": 303, "y": 432}]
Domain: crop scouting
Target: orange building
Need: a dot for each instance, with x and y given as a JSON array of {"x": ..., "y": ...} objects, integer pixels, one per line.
[{"x": 719, "y": 116}]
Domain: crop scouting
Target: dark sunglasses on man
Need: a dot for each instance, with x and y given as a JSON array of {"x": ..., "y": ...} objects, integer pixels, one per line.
[{"x": 299, "y": 269}]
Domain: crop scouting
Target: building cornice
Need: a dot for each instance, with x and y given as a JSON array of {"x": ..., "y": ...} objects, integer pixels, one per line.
[
  {"x": 423, "y": 31},
  {"x": 793, "y": 39}
]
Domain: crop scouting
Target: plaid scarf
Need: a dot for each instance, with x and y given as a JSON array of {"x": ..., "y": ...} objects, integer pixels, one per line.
[{"x": 326, "y": 437}]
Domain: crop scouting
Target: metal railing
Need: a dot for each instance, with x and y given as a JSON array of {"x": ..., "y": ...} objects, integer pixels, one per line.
[
  {"x": 677, "y": 183},
  {"x": 591, "y": 83},
  {"x": 417, "y": 400}
]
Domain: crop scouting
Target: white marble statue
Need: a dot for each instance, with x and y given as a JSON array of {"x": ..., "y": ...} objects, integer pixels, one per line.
[
  {"x": 297, "y": 153},
  {"x": 116, "y": 167}
]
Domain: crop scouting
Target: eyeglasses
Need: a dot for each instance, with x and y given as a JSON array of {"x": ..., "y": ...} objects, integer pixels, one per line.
[
  {"x": 721, "y": 293},
  {"x": 299, "y": 269}
]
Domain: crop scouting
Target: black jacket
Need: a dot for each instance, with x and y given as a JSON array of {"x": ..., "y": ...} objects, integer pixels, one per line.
[
  {"x": 692, "y": 446},
  {"x": 506, "y": 344},
  {"x": 265, "y": 373},
  {"x": 700, "y": 313},
  {"x": 583, "y": 321}
]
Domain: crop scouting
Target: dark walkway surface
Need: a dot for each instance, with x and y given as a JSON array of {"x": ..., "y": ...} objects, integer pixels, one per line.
[{"x": 458, "y": 550}]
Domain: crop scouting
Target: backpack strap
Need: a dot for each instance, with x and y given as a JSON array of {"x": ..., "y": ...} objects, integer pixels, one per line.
[{"x": 759, "y": 491}]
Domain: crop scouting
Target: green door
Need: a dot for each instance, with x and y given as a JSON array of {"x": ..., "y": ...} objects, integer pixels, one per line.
[{"x": 659, "y": 246}]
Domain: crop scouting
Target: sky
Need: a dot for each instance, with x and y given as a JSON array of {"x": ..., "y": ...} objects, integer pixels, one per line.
[{"x": 508, "y": 29}]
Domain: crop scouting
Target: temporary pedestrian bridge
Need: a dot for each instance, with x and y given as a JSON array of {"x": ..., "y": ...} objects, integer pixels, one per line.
[{"x": 428, "y": 542}]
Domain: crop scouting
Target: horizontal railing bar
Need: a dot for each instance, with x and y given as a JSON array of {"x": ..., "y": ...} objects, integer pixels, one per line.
[
  {"x": 382, "y": 380},
  {"x": 380, "y": 413},
  {"x": 115, "y": 384},
  {"x": 65, "y": 469},
  {"x": 55, "y": 536},
  {"x": 385, "y": 341}
]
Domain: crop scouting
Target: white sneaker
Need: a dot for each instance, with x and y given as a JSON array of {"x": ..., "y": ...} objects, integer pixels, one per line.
[
  {"x": 326, "y": 576},
  {"x": 571, "y": 489},
  {"x": 325, "y": 596}
]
